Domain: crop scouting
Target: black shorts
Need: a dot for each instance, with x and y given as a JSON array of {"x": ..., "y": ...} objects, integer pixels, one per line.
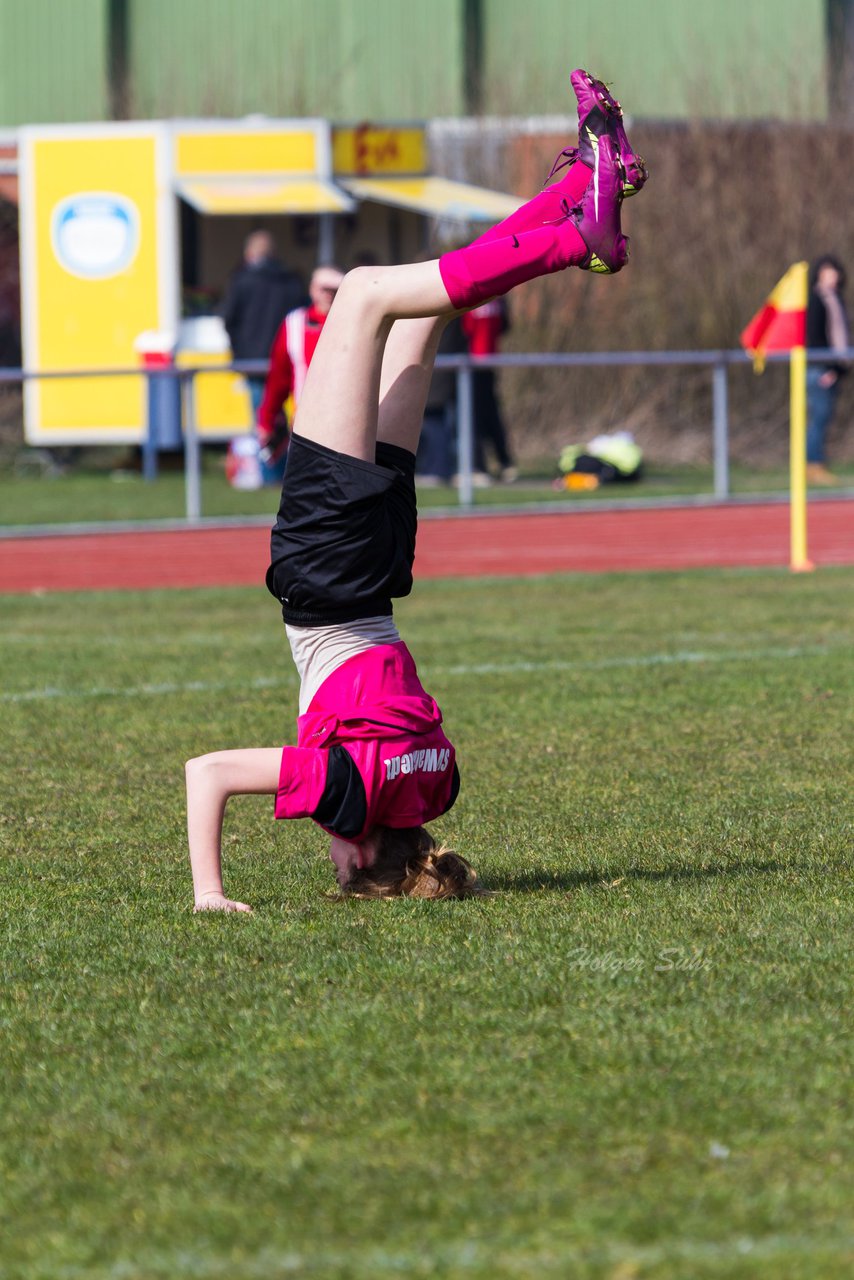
[{"x": 344, "y": 541}]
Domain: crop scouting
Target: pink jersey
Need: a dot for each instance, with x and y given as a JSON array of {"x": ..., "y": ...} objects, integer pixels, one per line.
[{"x": 373, "y": 706}]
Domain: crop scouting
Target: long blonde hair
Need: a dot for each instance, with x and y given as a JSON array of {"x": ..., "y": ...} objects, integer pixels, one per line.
[{"x": 409, "y": 863}]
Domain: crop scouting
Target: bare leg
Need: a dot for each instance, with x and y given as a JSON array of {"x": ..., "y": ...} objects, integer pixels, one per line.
[
  {"x": 407, "y": 369},
  {"x": 339, "y": 403},
  {"x": 339, "y": 407}
]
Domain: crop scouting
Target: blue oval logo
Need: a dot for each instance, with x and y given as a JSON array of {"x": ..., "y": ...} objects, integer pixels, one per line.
[{"x": 95, "y": 234}]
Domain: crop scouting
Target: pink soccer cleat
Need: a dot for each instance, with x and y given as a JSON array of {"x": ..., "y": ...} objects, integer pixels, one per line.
[
  {"x": 586, "y": 235},
  {"x": 597, "y": 217},
  {"x": 600, "y": 115}
]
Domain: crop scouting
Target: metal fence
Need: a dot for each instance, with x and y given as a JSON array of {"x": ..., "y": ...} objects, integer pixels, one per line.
[{"x": 718, "y": 362}]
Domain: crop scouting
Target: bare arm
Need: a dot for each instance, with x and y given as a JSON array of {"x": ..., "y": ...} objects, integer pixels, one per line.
[{"x": 211, "y": 779}]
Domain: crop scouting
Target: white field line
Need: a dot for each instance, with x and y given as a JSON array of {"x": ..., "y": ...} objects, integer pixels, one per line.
[
  {"x": 212, "y": 639},
  {"x": 679, "y": 657},
  {"x": 463, "y": 1256},
  {"x": 684, "y": 657},
  {"x": 199, "y": 639},
  {"x": 51, "y": 692}
]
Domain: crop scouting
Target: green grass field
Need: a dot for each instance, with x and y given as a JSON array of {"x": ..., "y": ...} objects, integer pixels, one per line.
[
  {"x": 632, "y": 1061},
  {"x": 91, "y": 492}
]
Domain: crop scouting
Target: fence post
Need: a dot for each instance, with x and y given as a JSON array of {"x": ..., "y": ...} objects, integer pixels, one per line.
[
  {"x": 720, "y": 414},
  {"x": 149, "y": 443},
  {"x": 465, "y": 434},
  {"x": 192, "y": 454}
]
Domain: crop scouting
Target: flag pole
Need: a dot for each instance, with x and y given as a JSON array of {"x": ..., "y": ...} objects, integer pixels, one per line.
[
  {"x": 780, "y": 325},
  {"x": 798, "y": 560}
]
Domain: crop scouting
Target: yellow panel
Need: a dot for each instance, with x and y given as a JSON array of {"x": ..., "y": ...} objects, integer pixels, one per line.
[
  {"x": 96, "y": 273},
  {"x": 222, "y": 399},
  {"x": 263, "y": 195},
  {"x": 367, "y": 149},
  {"x": 437, "y": 197},
  {"x": 294, "y": 151}
]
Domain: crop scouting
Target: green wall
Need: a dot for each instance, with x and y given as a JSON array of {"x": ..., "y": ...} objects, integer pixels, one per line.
[
  {"x": 53, "y": 61},
  {"x": 666, "y": 58},
  {"x": 349, "y": 59},
  {"x": 404, "y": 59}
]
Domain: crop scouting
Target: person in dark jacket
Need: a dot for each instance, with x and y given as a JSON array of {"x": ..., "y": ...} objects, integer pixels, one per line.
[
  {"x": 260, "y": 294},
  {"x": 827, "y": 329},
  {"x": 436, "y": 460}
]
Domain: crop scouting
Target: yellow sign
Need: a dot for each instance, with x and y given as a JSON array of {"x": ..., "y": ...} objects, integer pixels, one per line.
[
  {"x": 246, "y": 151},
  {"x": 369, "y": 149},
  {"x": 92, "y": 272}
]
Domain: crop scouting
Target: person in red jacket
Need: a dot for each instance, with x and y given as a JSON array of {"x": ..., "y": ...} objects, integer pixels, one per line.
[
  {"x": 290, "y": 355},
  {"x": 483, "y": 328}
]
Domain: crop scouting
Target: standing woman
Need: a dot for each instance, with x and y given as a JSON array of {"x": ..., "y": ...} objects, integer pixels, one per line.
[{"x": 827, "y": 329}]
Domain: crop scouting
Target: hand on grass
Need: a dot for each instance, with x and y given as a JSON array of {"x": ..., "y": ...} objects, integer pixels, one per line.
[{"x": 215, "y": 901}]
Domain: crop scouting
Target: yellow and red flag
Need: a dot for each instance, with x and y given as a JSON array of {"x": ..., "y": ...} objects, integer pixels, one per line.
[{"x": 781, "y": 324}]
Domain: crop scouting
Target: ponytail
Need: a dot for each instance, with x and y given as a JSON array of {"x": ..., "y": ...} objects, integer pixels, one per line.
[{"x": 410, "y": 864}]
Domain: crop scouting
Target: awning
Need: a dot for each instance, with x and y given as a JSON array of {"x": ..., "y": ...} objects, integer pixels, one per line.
[
  {"x": 438, "y": 197},
  {"x": 264, "y": 194}
]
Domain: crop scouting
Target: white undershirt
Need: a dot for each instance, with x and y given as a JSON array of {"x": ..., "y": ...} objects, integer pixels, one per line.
[{"x": 318, "y": 651}]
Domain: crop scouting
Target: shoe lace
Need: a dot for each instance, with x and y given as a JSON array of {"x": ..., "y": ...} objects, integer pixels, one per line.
[
  {"x": 567, "y": 209},
  {"x": 563, "y": 160}
]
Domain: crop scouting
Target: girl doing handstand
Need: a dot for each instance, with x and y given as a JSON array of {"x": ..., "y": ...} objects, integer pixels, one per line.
[{"x": 372, "y": 763}]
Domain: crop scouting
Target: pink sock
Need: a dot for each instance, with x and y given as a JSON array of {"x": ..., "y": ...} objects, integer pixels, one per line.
[
  {"x": 546, "y": 206},
  {"x": 489, "y": 268}
]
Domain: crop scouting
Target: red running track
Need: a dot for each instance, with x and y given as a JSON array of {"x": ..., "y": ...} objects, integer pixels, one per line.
[{"x": 505, "y": 545}]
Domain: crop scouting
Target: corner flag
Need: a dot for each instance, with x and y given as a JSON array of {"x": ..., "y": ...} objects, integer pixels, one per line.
[{"x": 781, "y": 324}]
